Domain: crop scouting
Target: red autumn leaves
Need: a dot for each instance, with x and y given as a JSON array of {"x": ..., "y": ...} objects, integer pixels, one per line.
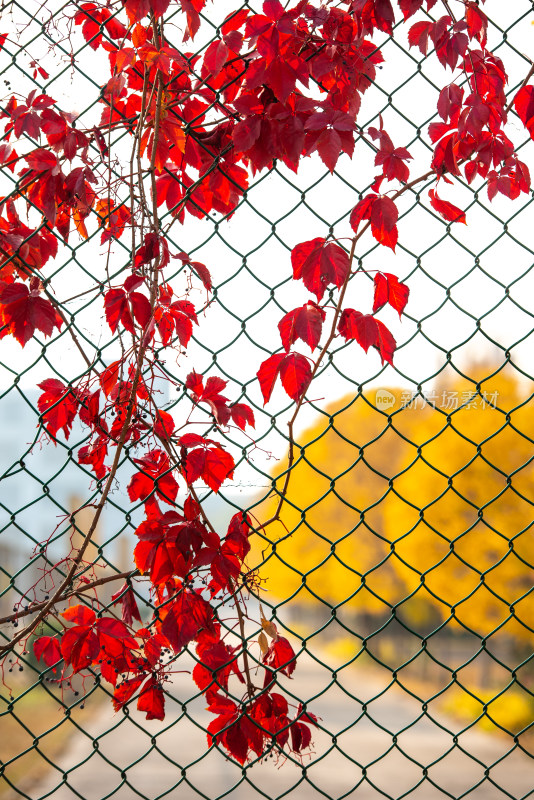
[
  {"x": 320, "y": 264},
  {"x": 170, "y": 546},
  {"x": 86, "y": 641},
  {"x": 255, "y": 77},
  {"x": 382, "y": 214},
  {"x": 23, "y": 311},
  {"x": 258, "y": 727},
  {"x": 255, "y": 727}
]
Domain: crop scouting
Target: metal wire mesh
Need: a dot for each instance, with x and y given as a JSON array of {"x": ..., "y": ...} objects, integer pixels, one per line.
[{"x": 404, "y": 571}]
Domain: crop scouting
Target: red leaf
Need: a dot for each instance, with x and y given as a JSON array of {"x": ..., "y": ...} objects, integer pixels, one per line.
[
  {"x": 125, "y": 690},
  {"x": 385, "y": 343},
  {"x": 419, "y": 35},
  {"x": 157, "y": 553},
  {"x": 477, "y": 22},
  {"x": 295, "y": 374},
  {"x": 237, "y": 536},
  {"x": 42, "y": 160},
  {"x": 80, "y": 645},
  {"x": 164, "y": 426},
  {"x": 203, "y": 273},
  {"x": 361, "y": 211},
  {"x": 192, "y": 440},
  {"x": 373, "y": 14},
  {"x": 109, "y": 377},
  {"x": 300, "y": 737},
  {"x": 225, "y": 567},
  {"x": 388, "y": 289},
  {"x": 117, "y": 310},
  {"x": 148, "y": 251},
  {"x": 449, "y": 103},
  {"x": 389, "y": 158},
  {"x": 58, "y": 406},
  {"x": 524, "y": 105},
  {"x": 383, "y": 215},
  {"x": 114, "y": 637},
  {"x": 79, "y": 614},
  {"x": 94, "y": 455},
  {"x": 355, "y": 325},
  {"x": 210, "y": 394},
  {"x": 155, "y": 475},
  {"x": 236, "y": 742},
  {"x": 268, "y": 373},
  {"x": 191, "y": 508},
  {"x": 214, "y": 386},
  {"x": 217, "y": 661},
  {"x": 185, "y": 617},
  {"x": 218, "y": 467},
  {"x": 410, "y": 7},
  {"x": 213, "y": 465},
  {"x": 23, "y": 311},
  {"x": 141, "y": 309},
  {"x": 367, "y": 331},
  {"x": 183, "y": 327},
  {"x": 320, "y": 264},
  {"x": 47, "y": 648},
  {"x": 215, "y": 57},
  {"x": 185, "y": 307},
  {"x": 195, "y": 383},
  {"x": 329, "y": 147},
  {"x": 242, "y": 415},
  {"x": 152, "y": 700},
  {"x": 126, "y": 598},
  {"x": 281, "y": 656},
  {"x": 304, "y": 323},
  {"x": 445, "y": 209}
]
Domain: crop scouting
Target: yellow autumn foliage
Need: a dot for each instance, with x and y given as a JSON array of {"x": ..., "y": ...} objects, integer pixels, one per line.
[{"x": 429, "y": 508}]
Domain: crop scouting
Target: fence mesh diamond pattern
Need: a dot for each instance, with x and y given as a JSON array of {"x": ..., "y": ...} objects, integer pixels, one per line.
[{"x": 402, "y": 569}]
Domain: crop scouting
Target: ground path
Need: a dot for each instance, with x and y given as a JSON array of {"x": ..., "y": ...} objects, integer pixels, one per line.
[{"x": 374, "y": 758}]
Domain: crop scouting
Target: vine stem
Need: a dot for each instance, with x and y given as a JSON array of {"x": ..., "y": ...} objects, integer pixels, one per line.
[
  {"x": 331, "y": 336},
  {"x": 237, "y": 604},
  {"x": 67, "y": 581},
  {"x": 143, "y": 346},
  {"x": 449, "y": 10},
  {"x": 241, "y": 622},
  {"x": 86, "y": 588}
]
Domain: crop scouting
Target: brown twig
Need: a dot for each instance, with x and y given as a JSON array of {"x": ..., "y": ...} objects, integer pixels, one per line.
[
  {"x": 143, "y": 345},
  {"x": 34, "y": 607}
]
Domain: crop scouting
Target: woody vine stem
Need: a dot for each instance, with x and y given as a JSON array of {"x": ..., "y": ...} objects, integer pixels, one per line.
[{"x": 276, "y": 86}]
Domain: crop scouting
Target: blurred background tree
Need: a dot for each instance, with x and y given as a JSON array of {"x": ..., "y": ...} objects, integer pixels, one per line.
[{"x": 425, "y": 506}]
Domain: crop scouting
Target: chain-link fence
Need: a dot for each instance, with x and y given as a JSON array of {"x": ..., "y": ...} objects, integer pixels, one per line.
[{"x": 402, "y": 569}]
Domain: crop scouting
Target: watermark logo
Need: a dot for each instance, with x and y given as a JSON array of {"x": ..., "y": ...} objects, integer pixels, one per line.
[
  {"x": 450, "y": 400},
  {"x": 384, "y": 399},
  {"x": 445, "y": 400}
]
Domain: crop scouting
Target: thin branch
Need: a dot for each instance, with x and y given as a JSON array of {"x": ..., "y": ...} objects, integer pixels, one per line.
[
  {"x": 67, "y": 581},
  {"x": 34, "y": 607},
  {"x": 331, "y": 336}
]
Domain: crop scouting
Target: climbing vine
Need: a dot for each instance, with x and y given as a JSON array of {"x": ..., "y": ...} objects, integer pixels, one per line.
[{"x": 281, "y": 85}]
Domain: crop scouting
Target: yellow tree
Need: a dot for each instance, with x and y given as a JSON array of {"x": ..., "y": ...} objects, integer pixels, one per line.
[
  {"x": 329, "y": 547},
  {"x": 428, "y": 508},
  {"x": 461, "y": 516}
]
